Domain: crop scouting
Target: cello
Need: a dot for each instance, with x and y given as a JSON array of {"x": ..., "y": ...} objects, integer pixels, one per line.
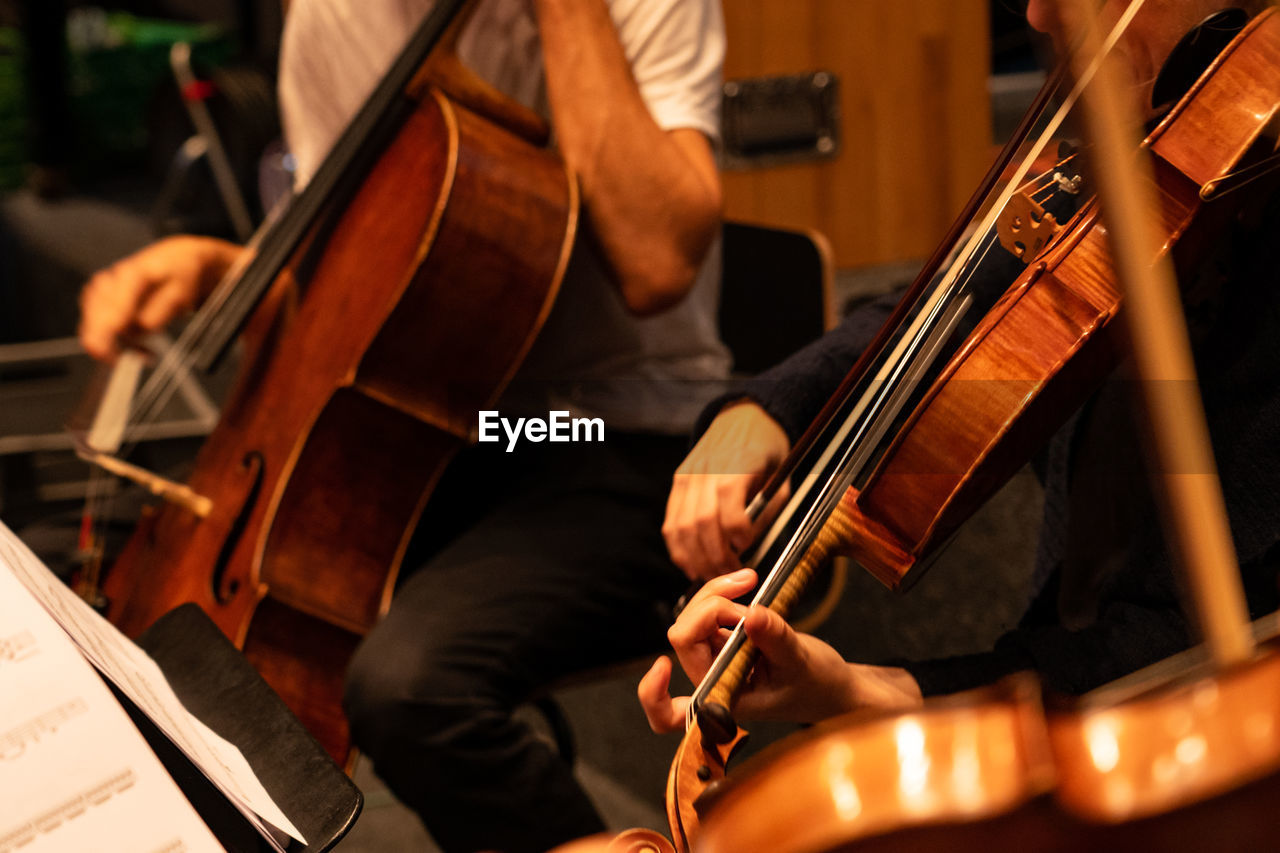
[
  {"x": 916, "y": 491},
  {"x": 376, "y": 322}
]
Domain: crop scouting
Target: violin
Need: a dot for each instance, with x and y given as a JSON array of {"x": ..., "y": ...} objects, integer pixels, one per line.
[
  {"x": 1186, "y": 763},
  {"x": 1191, "y": 761},
  {"x": 315, "y": 476},
  {"x": 1047, "y": 341},
  {"x": 973, "y": 769}
]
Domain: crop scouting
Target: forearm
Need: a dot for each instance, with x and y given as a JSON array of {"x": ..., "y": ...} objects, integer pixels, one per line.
[
  {"x": 883, "y": 688},
  {"x": 652, "y": 196},
  {"x": 146, "y": 290}
]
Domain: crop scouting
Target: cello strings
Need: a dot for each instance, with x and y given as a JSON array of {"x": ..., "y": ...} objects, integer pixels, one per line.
[
  {"x": 337, "y": 174},
  {"x": 237, "y": 299},
  {"x": 174, "y": 366},
  {"x": 283, "y": 229}
]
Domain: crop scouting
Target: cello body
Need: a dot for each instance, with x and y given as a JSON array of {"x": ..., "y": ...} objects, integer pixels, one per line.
[
  {"x": 1190, "y": 763},
  {"x": 365, "y": 365}
]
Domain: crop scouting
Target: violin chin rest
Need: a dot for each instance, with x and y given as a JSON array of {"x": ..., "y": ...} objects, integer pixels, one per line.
[
  {"x": 709, "y": 797},
  {"x": 717, "y": 724},
  {"x": 1194, "y": 53}
]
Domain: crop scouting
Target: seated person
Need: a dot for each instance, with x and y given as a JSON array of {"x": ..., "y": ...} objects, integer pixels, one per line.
[
  {"x": 1107, "y": 600},
  {"x": 546, "y": 561}
]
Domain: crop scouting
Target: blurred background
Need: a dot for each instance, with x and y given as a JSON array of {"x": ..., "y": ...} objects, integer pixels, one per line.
[{"x": 863, "y": 121}]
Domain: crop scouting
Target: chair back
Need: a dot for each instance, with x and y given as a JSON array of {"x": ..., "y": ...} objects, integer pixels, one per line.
[{"x": 775, "y": 294}]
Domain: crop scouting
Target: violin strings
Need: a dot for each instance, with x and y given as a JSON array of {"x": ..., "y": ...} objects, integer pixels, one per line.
[
  {"x": 956, "y": 279},
  {"x": 1044, "y": 183},
  {"x": 944, "y": 313},
  {"x": 970, "y": 257},
  {"x": 811, "y": 517}
]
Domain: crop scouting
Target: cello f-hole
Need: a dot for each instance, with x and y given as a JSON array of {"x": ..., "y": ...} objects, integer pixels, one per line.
[{"x": 225, "y": 588}]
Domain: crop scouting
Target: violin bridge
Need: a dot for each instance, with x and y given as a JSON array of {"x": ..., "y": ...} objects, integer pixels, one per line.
[
  {"x": 1024, "y": 227},
  {"x": 164, "y": 488}
]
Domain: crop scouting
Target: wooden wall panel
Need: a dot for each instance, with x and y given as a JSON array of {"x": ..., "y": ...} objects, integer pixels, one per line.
[{"x": 916, "y": 126}]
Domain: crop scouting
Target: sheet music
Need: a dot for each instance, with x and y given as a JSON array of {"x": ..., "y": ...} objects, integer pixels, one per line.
[
  {"x": 139, "y": 678},
  {"x": 74, "y": 772}
]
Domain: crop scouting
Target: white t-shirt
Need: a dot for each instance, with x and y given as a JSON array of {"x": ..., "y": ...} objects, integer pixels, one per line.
[{"x": 593, "y": 358}]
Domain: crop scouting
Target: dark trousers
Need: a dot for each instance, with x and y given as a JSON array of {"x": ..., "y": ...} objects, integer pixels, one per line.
[{"x": 532, "y": 565}]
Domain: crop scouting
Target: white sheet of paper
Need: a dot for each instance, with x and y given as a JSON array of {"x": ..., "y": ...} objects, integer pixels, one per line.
[
  {"x": 75, "y": 774},
  {"x": 138, "y": 677}
]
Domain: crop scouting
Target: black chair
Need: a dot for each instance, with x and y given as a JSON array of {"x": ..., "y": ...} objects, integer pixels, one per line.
[
  {"x": 775, "y": 293},
  {"x": 776, "y": 296}
]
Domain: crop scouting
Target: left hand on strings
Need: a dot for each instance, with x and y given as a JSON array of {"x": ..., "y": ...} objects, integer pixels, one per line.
[{"x": 797, "y": 677}]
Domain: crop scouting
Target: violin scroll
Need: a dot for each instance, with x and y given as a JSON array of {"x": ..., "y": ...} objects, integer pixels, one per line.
[{"x": 695, "y": 781}]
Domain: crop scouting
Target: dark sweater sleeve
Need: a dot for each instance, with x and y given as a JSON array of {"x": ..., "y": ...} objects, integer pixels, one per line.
[
  {"x": 1127, "y": 635},
  {"x": 795, "y": 391},
  {"x": 1136, "y": 627}
]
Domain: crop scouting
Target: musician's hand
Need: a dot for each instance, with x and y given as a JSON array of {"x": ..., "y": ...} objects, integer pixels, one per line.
[
  {"x": 797, "y": 677},
  {"x": 143, "y": 292},
  {"x": 706, "y": 526}
]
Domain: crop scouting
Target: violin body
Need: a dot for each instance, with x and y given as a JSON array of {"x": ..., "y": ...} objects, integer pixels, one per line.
[
  {"x": 1190, "y": 764},
  {"x": 983, "y": 770},
  {"x": 365, "y": 365},
  {"x": 1049, "y": 341},
  {"x": 968, "y": 772}
]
